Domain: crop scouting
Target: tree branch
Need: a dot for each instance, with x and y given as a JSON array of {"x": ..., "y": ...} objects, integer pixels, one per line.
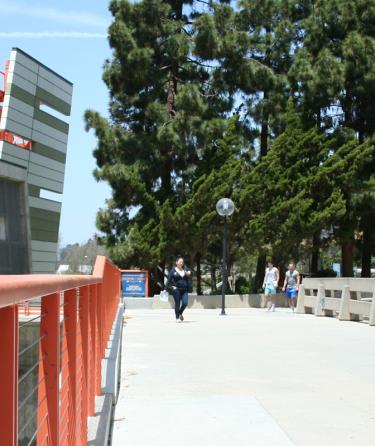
[{"x": 199, "y": 63}]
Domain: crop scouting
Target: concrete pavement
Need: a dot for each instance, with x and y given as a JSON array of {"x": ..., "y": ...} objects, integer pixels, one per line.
[{"x": 248, "y": 378}]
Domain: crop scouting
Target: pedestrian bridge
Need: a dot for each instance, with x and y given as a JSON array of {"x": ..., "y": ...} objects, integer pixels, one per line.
[{"x": 249, "y": 378}]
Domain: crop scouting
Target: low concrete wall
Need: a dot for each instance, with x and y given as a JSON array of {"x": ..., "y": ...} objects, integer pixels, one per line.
[
  {"x": 100, "y": 425},
  {"x": 205, "y": 302},
  {"x": 138, "y": 303},
  {"x": 348, "y": 298}
]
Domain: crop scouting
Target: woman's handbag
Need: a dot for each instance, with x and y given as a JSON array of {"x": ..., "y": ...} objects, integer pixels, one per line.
[{"x": 164, "y": 296}]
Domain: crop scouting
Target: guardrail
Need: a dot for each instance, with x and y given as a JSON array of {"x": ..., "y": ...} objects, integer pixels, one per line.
[
  {"x": 330, "y": 296},
  {"x": 75, "y": 320}
]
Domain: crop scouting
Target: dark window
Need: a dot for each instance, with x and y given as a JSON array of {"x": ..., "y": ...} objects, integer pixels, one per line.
[{"x": 13, "y": 234}]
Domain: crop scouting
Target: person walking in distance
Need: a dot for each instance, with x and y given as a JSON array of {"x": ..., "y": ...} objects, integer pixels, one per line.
[
  {"x": 180, "y": 283},
  {"x": 291, "y": 284},
  {"x": 270, "y": 284}
]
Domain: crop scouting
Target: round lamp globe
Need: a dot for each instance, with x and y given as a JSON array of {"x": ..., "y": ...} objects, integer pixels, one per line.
[{"x": 225, "y": 207}]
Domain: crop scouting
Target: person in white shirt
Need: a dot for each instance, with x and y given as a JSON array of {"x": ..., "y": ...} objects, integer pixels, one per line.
[
  {"x": 270, "y": 284},
  {"x": 291, "y": 285}
]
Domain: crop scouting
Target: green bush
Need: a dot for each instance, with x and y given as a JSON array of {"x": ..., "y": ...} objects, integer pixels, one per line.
[{"x": 242, "y": 285}]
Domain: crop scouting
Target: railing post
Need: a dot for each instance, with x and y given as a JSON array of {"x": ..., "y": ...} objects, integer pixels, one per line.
[
  {"x": 84, "y": 313},
  {"x": 319, "y": 303},
  {"x": 70, "y": 317},
  {"x": 50, "y": 366},
  {"x": 93, "y": 350},
  {"x": 99, "y": 343},
  {"x": 344, "y": 313},
  {"x": 9, "y": 375},
  {"x": 301, "y": 300},
  {"x": 372, "y": 309}
]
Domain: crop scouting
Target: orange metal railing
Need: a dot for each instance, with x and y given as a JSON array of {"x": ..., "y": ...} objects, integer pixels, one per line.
[{"x": 75, "y": 321}]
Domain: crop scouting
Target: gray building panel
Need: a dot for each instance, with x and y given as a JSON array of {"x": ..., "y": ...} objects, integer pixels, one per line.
[{"x": 31, "y": 85}]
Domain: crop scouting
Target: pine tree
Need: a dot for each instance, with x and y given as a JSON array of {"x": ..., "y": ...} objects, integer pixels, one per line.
[
  {"x": 282, "y": 197},
  {"x": 254, "y": 43},
  {"x": 163, "y": 116},
  {"x": 333, "y": 73},
  {"x": 200, "y": 223}
]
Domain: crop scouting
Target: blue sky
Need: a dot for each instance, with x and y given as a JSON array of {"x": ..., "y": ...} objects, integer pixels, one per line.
[{"x": 70, "y": 38}]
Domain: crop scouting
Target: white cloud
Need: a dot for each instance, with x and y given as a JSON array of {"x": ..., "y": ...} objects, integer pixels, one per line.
[
  {"x": 48, "y": 34},
  {"x": 53, "y": 14}
]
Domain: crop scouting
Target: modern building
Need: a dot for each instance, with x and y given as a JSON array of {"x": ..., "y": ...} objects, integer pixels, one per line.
[{"x": 34, "y": 104}]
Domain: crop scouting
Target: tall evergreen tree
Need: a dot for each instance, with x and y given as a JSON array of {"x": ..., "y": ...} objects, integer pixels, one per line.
[
  {"x": 198, "y": 219},
  {"x": 164, "y": 114},
  {"x": 255, "y": 44},
  {"x": 285, "y": 197},
  {"x": 333, "y": 73}
]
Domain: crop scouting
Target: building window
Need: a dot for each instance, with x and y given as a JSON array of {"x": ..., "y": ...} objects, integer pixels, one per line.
[{"x": 3, "y": 234}]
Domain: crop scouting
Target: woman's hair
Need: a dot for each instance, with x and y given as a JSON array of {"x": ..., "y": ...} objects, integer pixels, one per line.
[{"x": 180, "y": 257}]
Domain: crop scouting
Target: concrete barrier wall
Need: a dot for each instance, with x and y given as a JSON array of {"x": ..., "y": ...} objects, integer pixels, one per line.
[
  {"x": 347, "y": 298},
  {"x": 205, "y": 302}
]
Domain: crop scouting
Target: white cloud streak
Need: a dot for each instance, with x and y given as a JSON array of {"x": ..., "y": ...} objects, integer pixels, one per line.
[
  {"x": 53, "y": 14},
  {"x": 52, "y": 35}
]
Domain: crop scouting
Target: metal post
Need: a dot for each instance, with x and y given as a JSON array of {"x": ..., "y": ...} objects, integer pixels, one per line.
[
  {"x": 70, "y": 316},
  {"x": 84, "y": 313},
  {"x": 9, "y": 375},
  {"x": 49, "y": 370},
  {"x": 93, "y": 350},
  {"x": 224, "y": 270}
]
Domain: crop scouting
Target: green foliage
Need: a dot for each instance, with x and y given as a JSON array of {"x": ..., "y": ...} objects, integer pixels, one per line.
[
  {"x": 80, "y": 257},
  {"x": 242, "y": 285},
  {"x": 304, "y": 184},
  {"x": 266, "y": 102}
]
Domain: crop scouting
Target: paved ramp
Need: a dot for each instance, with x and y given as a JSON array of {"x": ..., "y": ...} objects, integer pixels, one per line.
[{"x": 249, "y": 378}]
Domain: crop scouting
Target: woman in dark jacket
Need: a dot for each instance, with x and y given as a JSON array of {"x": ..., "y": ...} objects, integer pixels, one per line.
[{"x": 179, "y": 282}]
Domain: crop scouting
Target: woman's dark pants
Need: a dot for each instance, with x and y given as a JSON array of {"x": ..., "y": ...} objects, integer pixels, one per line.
[{"x": 181, "y": 300}]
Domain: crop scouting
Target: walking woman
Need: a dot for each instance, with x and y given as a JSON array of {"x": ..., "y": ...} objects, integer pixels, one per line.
[{"x": 179, "y": 282}]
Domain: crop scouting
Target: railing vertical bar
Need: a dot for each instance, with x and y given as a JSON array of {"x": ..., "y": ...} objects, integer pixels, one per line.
[
  {"x": 84, "y": 311},
  {"x": 99, "y": 343},
  {"x": 50, "y": 367},
  {"x": 65, "y": 391},
  {"x": 70, "y": 316},
  {"x": 9, "y": 375},
  {"x": 93, "y": 342}
]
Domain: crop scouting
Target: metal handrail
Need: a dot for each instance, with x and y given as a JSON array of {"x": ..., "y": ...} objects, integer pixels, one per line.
[{"x": 76, "y": 316}]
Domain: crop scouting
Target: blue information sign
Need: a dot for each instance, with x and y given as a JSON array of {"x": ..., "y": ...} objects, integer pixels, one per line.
[{"x": 133, "y": 284}]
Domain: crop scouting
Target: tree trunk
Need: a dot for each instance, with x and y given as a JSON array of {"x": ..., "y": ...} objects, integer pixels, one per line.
[
  {"x": 366, "y": 251},
  {"x": 171, "y": 96},
  {"x": 199, "y": 273},
  {"x": 264, "y": 131},
  {"x": 259, "y": 274},
  {"x": 315, "y": 254},
  {"x": 213, "y": 277},
  {"x": 347, "y": 258}
]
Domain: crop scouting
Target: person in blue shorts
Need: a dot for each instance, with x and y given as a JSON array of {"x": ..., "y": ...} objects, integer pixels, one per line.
[
  {"x": 270, "y": 284},
  {"x": 291, "y": 285}
]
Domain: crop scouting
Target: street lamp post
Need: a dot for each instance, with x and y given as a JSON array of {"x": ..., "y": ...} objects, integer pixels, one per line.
[{"x": 225, "y": 208}]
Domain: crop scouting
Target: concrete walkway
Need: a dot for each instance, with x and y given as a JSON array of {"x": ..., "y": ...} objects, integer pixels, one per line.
[{"x": 249, "y": 378}]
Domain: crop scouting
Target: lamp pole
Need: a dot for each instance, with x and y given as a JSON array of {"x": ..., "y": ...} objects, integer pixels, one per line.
[
  {"x": 225, "y": 208},
  {"x": 224, "y": 267}
]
